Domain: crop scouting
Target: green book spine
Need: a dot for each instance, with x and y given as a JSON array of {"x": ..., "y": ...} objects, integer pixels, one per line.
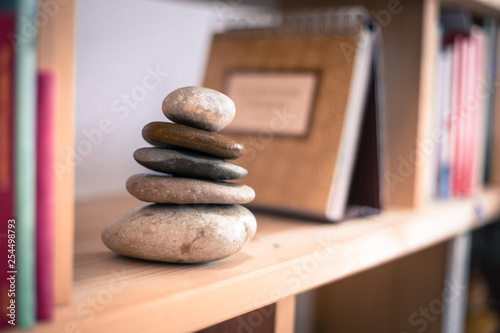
[{"x": 25, "y": 107}]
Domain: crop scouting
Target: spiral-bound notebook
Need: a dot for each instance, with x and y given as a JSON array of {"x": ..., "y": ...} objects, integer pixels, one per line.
[{"x": 305, "y": 110}]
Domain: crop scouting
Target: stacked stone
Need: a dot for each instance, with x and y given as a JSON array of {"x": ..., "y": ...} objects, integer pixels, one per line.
[{"x": 196, "y": 215}]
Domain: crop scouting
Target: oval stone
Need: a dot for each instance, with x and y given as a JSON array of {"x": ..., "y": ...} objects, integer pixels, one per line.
[
  {"x": 188, "y": 164},
  {"x": 199, "y": 107},
  {"x": 164, "y": 134},
  {"x": 180, "y": 233},
  {"x": 167, "y": 189}
]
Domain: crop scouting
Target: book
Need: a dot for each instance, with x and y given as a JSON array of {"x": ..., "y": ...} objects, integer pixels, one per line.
[
  {"x": 494, "y": 156},
  {"x": 56, "y": 52},
  {"x": 436, "y": 123},
  {"x": 301, "y": 92},
  {"x": 491, "y": 29},
  {"x": 445, "y": 127},
  {"x": 469, "y": 113},
  {"x": 481, "y": 96},
  {"x": 458, "y": 114},
  {"x": 45, "y": 195},
  {"x": 25, "y": 161},
  {"x": 6, "y": 161}
]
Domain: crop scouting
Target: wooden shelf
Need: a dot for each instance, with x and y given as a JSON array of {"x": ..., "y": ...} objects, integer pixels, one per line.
[{"x": 287, "y": 256}]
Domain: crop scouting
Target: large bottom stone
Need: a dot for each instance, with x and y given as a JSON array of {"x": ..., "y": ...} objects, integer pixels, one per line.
[{"x": 180, "y": 233}]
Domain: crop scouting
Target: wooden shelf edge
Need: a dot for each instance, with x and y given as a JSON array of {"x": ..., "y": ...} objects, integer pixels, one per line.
[{"x": 287, "y": 257}]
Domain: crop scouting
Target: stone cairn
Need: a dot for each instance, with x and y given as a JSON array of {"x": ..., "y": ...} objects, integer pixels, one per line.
[{"x": 196, "y": 216}]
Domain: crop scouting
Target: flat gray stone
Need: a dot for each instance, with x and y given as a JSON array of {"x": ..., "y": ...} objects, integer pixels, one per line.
[
  {"x": 188, "y": 164},
  {"x": 199, "y": 107},
  {"x": 180, "y": 233},
  {"x": 175, "y": 190}
]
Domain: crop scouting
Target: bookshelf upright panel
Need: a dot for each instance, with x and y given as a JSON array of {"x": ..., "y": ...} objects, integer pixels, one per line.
[{"x": 56, "y": 50}]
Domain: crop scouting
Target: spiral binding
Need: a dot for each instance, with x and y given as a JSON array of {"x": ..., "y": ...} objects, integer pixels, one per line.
[{"x": 336, "y": 20}]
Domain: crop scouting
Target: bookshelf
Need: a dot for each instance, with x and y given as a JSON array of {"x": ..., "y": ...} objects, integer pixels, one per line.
[
  {"x": 290, "y": 255},
  {"x": 190, "y": 297}
]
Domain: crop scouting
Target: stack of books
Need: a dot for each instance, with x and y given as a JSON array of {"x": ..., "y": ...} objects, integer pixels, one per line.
[
  {"x": 464, "y": 104},
  {"x": 28, "y": 177}
]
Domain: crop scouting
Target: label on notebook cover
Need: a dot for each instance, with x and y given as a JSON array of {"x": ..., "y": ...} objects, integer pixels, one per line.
[{"x": 279, "y": 101}]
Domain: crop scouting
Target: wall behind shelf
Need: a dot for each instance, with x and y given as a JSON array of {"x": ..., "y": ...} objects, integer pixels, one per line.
[{"x": 119, "y": 44}]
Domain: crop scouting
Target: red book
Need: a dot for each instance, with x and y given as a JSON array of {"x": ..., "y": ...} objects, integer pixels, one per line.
[
  {"x": 45, "y": 194},
  {"x": 472, "y": 105},
  {"x": 461, "y": 113},
  {"x": 468, "y": 110},
  {"x": 455, "y": 122},
  {"x": 7, "y": 56}
]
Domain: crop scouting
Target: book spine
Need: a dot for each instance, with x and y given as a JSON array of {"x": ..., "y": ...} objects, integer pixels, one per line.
[
  {"x": 494, "y": 158},
  {"x": 461, "y": 115},
  {"x": 481, "y": 96},
  {"x": 45, "y": 195},
  {"x": 454, "y": 121},
  {"x": 445, "y": 162},
  {"x": 470, "y": 106},
  {"x": 6, "y": 160},
  {"x": 491, "y": 77},
  {"x": 435, "y": 161},
  {"x": 25, "y": 99}
]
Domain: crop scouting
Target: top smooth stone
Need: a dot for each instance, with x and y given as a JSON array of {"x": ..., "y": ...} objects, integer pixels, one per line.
[
  {"x": 199, "y": 107},
  {"x": 163, "y": 134}
]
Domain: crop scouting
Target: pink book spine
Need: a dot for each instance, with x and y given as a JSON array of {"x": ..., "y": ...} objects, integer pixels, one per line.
[
  {"x": 7, "y": 56},
  {"x": 45, "y": 199},
  {"x": 455, "y": 121},
  {"x": 462, "y": 114},
  {"x": 472, "y": 111}
]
